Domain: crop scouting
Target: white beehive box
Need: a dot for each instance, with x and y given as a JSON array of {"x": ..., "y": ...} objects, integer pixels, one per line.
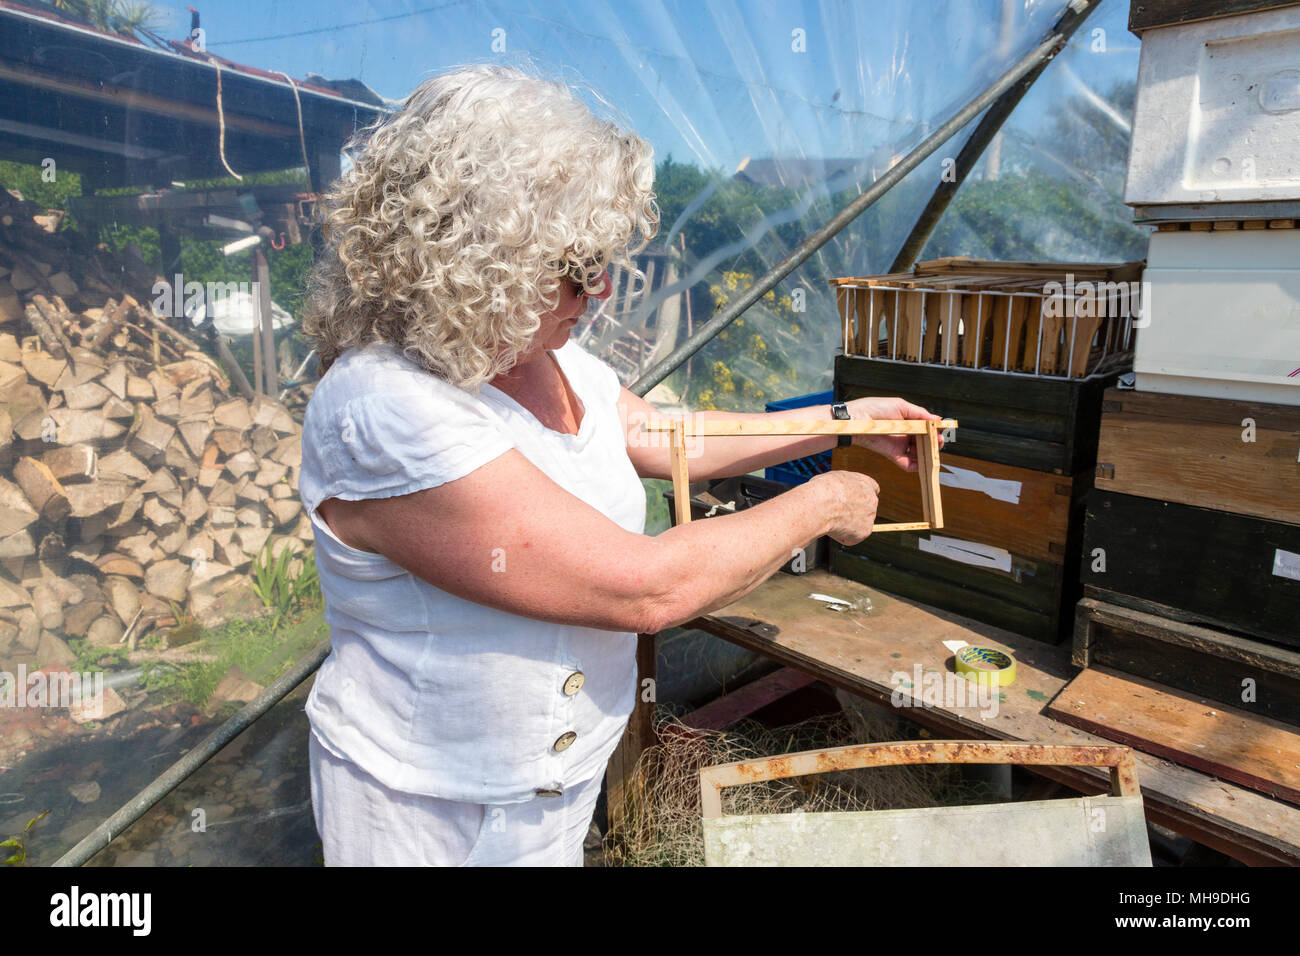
[
  {"x": 1221, "y": 315},
  {"x": 1217, "y": 117}
]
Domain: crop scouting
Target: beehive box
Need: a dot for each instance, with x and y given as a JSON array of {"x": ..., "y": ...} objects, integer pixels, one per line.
[
  {"x": 1241, "y": 457},
  {"x": 1223, "y": 570},
  {"x": 1224, "y": 315},
  {"x": 1048, "y": 320},
  {"x": 1047, "y": 425},
  {"x": 1217, "y": 113}
]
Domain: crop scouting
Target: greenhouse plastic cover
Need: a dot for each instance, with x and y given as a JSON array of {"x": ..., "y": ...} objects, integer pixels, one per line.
[
  {"x": 818, "y": 98},
  {"x": 774, "y": 115}
]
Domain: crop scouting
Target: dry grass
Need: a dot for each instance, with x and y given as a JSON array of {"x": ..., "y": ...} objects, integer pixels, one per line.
[{"x": 662, "y": 824}]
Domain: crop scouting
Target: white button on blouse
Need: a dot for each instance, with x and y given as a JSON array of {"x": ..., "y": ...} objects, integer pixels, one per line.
[{"x": 427, "y": 692}]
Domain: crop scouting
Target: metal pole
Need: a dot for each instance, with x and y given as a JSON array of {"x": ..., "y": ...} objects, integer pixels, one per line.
[
  {"x": 979, "y": 140},
  {"x": 267, "y": 327},
  {"x": 174, "y": 775},
  {"x": 1043, "y": 52},
  {"x": 257, "y": 327}
]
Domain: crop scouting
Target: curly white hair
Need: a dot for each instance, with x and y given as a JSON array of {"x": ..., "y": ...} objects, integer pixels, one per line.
[{"x": 462, "y": 213}]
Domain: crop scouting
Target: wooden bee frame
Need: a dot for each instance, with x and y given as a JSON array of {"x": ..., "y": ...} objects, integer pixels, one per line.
[{"x": 927, "y": 454}]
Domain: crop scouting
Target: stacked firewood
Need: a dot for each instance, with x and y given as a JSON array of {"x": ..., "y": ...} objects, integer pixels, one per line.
[{"x": 136, "y": 485}]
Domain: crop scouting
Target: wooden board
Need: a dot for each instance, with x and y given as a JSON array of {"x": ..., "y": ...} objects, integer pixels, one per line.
[
  {"x": 1216, "y": 568},
  {"x": 1146, "y": 14},
  {"x": 1146, "y": 642},
  {"x": 1191, "y": 450},
  {"x": 861, "y": 653},
  {"x": 721, "y": 712},
  {"x": 1223, "y": 741},
  {"x": 622, "y": 777},
  {"x": 1039, "y": 424},
  {"x": 1036, "y": 524}
]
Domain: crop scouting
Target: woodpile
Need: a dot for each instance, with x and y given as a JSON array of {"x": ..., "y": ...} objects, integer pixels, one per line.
[{"x": 135, "y": 484}]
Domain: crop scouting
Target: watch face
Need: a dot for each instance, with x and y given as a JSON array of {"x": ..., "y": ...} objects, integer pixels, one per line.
[{"x": 840, "y": 410}]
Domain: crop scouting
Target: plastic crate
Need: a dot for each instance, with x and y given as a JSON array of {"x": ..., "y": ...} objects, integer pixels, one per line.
[{"x": 801, "y": 469}]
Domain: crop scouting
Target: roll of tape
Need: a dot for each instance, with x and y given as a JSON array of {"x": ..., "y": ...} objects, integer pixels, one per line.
[{"x": 986, "y": 665}]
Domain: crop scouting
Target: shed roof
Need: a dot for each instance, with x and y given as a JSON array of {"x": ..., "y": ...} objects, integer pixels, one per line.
[{"x": 120, "y": 112}]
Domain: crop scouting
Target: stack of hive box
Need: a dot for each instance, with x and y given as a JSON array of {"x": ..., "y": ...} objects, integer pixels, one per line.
[
  {"x": 1192, "y": 543},
  {"x": 1020, "y": 354}
]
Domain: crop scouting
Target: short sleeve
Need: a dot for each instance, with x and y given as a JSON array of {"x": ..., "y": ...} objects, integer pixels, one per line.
[{"x": 394, "y": 438}]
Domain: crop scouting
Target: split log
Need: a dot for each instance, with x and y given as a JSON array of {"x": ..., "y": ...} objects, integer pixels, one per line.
[
  {"x": 44, "y": 367},
  {"x": 109, "y": 323},
  {"x": 17, "y": 545},
  {"x": 122, "y": 464},
  {"x": 41, "y": 316},
  {"x": 167, "y": 579},
  {"x": 120, "y": 564},
  {"x": 16, "y": 512},
  {"x": 285, "y": 510},
  {"x": 151, "y": 437},
  {"x": 115, "y": 380},
  {"x": 123, "y": 597},
  {"x": 233, "y": 414},
  {"x": 42, "y": 489}
]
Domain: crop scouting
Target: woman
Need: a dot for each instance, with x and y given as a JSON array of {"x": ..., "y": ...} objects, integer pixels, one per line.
[{"x": 473, "y": 479}]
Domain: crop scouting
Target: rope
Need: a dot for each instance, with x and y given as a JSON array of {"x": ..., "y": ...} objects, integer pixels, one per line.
[
  {"x": 302, "y": 138},
  {"x": 221, "y": 121}
]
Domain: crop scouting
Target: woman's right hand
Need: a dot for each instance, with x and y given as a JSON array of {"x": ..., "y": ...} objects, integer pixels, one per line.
[{"x": 851, "y": 501}]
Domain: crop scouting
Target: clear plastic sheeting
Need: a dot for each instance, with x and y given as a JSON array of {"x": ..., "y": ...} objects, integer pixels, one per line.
[{"x": 177, "y": 579}]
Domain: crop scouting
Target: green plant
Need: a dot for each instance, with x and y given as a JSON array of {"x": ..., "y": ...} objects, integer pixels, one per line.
[
  {"x": 186, "y": 629},
  {"x": 20, "y": 843},
  {"x": 94, "y": 657},
  {"x": 277, "y": 588}
]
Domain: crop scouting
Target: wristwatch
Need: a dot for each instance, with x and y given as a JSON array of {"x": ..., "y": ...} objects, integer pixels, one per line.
[{"x": 840, "y": 412}]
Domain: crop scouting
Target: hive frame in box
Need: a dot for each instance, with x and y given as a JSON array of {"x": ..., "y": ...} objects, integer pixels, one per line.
[
  {"x": 927, "y": 454},
  {"x": 916, "y": 311}
]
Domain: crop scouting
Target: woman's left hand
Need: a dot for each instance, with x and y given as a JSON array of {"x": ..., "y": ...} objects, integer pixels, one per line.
[{"x": 900, "y": 449}]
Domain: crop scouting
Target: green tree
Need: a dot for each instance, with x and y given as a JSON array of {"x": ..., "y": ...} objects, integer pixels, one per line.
[{"x": 113, "y": 16}]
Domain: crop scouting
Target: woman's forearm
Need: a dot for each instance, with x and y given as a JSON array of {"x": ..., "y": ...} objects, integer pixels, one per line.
[
  {"x": 739, "y": 455},
  {"x": 703, "y": 565}
]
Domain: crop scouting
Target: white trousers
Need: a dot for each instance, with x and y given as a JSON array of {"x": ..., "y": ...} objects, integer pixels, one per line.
[{"x": 361, "y": 822}]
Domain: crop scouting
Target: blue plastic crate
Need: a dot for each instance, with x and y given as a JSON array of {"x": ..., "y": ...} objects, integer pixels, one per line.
[{"x": 801, "y": 469}]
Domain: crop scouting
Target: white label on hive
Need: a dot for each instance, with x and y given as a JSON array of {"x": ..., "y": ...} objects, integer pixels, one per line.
[
  {"x": 1286, "y": 564},
  {"x": 999, "y": 489},
  {"x": 967, "y": 552}
]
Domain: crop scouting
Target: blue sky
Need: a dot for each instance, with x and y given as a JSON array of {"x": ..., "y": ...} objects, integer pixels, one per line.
[{"x": 711, "y": 81}]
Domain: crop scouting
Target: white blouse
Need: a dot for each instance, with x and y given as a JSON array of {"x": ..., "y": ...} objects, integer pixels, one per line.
[{"x": 429, "y": 693}]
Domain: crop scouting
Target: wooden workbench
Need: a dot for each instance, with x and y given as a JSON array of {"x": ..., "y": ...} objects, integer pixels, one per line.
[{"x": 861, "y": 652}]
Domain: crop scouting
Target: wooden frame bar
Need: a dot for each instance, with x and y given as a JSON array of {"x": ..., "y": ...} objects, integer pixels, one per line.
[
  {"x": 1117, "y": 758},
  {"x": 927, "y": 448}
]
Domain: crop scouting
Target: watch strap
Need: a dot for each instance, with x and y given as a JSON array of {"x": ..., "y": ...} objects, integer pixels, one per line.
[{"x": 840, "y": 412}]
